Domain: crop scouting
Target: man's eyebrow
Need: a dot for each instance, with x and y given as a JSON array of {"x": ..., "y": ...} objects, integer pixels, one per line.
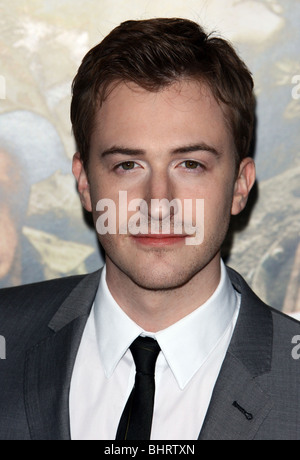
[
  {"x": 115, "y": 150},
  {"x": 202, "y": 147}
]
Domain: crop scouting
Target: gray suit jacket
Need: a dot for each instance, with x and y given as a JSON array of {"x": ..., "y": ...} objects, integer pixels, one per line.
[{"x": 257, "y": 394}]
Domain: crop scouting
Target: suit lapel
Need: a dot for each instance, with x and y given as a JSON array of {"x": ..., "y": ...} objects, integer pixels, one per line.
[
  {"x": 49, "y": 365},
  {"x": 239, "y": 405}
]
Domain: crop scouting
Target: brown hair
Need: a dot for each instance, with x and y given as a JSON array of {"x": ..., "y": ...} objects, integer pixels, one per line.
[{"x": 155, "y": 53}]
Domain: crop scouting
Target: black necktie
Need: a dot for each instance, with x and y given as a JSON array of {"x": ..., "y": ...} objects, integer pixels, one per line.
[{"x": 136, "y": 420}]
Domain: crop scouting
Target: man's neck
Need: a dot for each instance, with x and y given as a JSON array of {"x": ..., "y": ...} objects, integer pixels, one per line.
[{"x": 157, "y": 310}]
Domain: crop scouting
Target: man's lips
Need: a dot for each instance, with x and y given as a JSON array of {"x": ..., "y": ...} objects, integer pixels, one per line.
[{"x": 159, "y": 239}]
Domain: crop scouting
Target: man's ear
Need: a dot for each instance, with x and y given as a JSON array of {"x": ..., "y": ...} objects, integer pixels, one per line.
[
  {"x": 82, "y": 182},
  {"x": 243, "y": 185}
]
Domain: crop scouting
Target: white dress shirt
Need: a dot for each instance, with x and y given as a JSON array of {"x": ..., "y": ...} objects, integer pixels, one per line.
[{"x": 192, "y": 352}]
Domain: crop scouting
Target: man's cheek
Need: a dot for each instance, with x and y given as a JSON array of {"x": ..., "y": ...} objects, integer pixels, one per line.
[{"x": 194, "y": 221}]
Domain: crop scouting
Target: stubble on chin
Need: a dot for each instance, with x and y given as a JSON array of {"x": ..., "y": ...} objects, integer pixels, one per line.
[{"x": 155, "y": 270}]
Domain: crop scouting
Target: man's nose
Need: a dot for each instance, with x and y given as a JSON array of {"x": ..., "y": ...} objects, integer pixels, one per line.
[{"x": 160, "y": 194}]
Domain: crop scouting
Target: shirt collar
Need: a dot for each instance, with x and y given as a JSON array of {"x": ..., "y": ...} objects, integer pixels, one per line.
[
  {"x": 186, "y": 344},
  {"x": 115, "y": 330}
]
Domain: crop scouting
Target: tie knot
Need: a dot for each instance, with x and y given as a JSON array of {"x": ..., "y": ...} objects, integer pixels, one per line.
[{"x": 145, "y": 352}]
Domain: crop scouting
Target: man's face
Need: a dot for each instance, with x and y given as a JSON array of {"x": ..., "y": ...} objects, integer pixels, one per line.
[{"x": 172, "y": 144}]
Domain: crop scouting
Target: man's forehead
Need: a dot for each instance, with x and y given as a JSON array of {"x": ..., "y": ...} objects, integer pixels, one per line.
[{"x": 179, "y": 104}]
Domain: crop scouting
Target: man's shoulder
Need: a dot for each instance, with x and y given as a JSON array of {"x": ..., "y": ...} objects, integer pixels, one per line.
[
  {"x": 286, "y": 333},
  {"x": 29, "y": 294},
  {"x": 281, "y": 320},
  {"x": 33, "y": 305}
]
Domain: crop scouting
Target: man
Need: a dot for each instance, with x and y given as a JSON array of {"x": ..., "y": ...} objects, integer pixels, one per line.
[{"x": 162, "y": 115}]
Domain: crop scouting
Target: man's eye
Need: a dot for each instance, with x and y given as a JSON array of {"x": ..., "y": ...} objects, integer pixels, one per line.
[
  {"x": 127, "y": 165},
  {"x": 191, "y": 164}
]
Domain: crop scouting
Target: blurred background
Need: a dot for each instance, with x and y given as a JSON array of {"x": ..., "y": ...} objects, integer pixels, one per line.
[{"x": 42, "y": 230}]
